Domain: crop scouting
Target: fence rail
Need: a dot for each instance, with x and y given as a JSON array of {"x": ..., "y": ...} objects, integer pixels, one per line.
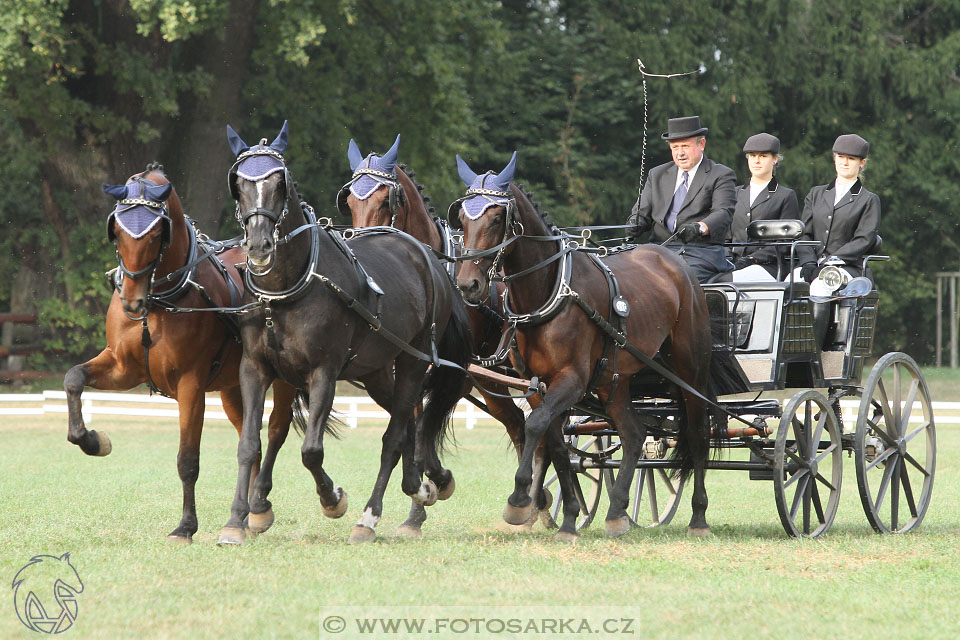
[{"x": 352, "y": 409}]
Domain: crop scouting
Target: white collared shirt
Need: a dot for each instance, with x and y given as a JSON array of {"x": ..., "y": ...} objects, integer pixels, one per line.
[
  {"x": 757, "y": 189},
  {"x": 690, "y": 174},
  {"x": 842, "y": 188}
]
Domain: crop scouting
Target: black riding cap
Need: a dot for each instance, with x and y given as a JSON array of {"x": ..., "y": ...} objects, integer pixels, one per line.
[
  {"x": 850, "y": 144},
  {"x": 688, "y": 127},
  {"x": 762, "y": 143}
]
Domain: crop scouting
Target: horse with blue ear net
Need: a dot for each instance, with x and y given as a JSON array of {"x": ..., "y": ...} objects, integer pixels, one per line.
[
  {"x": 166, "y": 267},
  {"x": 382, "y": 192}
]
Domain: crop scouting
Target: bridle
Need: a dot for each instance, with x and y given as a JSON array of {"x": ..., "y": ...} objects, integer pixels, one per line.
[
  {"x": 274, "y": 217},
  {"x": 396, "y": 198}
]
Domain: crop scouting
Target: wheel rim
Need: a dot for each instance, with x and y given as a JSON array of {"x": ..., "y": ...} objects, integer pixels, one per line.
[
  {"x": 655, "y": 495},
  {"x": 588, "y": 484},
  {"x": 808, "y": 465},
  {"x": 895, "y": 445}
]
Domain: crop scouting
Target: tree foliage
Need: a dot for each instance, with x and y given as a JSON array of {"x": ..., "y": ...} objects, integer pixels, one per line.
[{"x": 91, "y": 90}]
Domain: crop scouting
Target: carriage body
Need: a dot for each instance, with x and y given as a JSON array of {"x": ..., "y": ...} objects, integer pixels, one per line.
[{"x": 769, "y": 337}]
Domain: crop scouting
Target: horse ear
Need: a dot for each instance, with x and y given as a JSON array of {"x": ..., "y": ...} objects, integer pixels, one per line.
[
  {"x": 466, "y": 173},
  {"x": 504, "y": 177},
  {"x": 389, "y": 160},
  {"x": 118, "y": 191},
  {"x": 354, "y": 155},
  {"x": 158, "y": 193},
  {"x": 237, "y": 145},
  {"x": 280, "y": 142}
]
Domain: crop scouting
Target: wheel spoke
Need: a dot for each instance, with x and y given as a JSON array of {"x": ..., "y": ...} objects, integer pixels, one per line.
[
  {"x": 897, "y": 390},
  {"x": 875, "y": 428},
  {"x": 826, "y": 452},
  {"x": 806, "y": 506},
  {"x": 895, "y": 496},
  {"x": 913, "y": 434},
  {"x": 880, "y": 458},
  {"x": 882, "y": 492},
  {"x": 818, "y": 432},
  {"x": 825, "y": 482},
  {"x": 799, "y": 474},
  {"x": 641, "y": 479},
  {"x": 885, "y": 405},
  {"x": 667, "y": 482},
  {"x": 908, "y": 406},
  {"x": 798, "y": 496},
  {"x": 908, "y": 491},
  {"x": 652, "y": 495},
  {"x": 815, "y": 494},
  {"x": 909, "y": 458}
]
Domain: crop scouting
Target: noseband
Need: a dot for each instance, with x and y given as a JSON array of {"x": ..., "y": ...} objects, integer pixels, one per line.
[
  {"x": 122, "y": 271},
  {"x": 511, "y": 223},
  {"x": 396, "y": 198},
  {"x": 273, "y": 216}
]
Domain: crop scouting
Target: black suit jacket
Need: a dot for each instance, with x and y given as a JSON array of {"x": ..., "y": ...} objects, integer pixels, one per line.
[
  {"x": 776, "y": 202},
  {"x": 710, "y": 199},
  {"x": 847, "y": 230}
]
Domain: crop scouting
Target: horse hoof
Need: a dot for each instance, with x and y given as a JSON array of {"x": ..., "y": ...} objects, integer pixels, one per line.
[
  {"x": 104, "y": 442},
  {"x": 427, "y": 495},
  {"x": 361, "y": 534},
  {"x": 260, "y": 522},
  {"x": 616, "y": 528},
  {"x": 567, "y": 537},
  {"x": 409, "y": 531},
  {"x": 698, "y": 532},
  {"x": 338, "y": 509},
  {"x": 173, "y": 537},
  {"x": 526, "y": 527},
  {"x": 231, "y": 536},
  {"x": 447, "y": 491},
  {"x": 517, "y": 515}
]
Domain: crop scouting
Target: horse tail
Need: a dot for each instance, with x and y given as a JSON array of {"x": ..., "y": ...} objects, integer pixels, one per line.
[
  {"x": 300, "y": 409},
  {"x": 444, "y": 386}
]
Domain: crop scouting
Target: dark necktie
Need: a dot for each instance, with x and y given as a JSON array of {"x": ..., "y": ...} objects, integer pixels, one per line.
[{"x": 678, "y": 197}]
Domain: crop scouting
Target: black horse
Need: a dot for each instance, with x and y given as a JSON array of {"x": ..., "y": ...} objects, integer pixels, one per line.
[{"x": 324, "y": 308}]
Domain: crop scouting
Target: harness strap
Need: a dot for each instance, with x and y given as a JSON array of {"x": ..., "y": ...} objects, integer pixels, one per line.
[
  {"x": 147, "y": 341},
  {"x": 621, "y": 341}
]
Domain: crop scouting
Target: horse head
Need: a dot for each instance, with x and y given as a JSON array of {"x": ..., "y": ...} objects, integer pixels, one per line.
[
  {"x": 140, "y": 225},
  {"x": 374, "y": 195},
  {"x": 262, "y": 186},
  {"x": 488, "y": 217}
]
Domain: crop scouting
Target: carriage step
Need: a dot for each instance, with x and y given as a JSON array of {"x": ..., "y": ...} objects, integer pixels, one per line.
[{"x": 761, "y": 473}]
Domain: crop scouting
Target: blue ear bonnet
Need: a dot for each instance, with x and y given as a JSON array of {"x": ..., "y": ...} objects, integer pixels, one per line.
[
  {"x": 365, "y": 184},
  {"x": 475, "y": 205},
  {"x": 140, "y": 205},
  {"x": 263, "y": 159}
]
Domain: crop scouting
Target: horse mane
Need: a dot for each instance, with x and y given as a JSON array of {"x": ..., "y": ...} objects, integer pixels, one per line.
[
  {"x": 426, "y": 199},
  {"x": 536, "y": 206}
]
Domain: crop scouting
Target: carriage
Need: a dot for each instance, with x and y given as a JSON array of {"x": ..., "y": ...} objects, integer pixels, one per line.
[{"x": 775, "y": 337}]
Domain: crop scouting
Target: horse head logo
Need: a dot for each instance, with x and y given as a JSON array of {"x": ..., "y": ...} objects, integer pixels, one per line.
[{"x": 45, "y": 593}]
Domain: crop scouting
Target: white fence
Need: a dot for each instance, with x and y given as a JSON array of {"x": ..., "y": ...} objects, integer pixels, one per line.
[{"x": 351, "y": 409}]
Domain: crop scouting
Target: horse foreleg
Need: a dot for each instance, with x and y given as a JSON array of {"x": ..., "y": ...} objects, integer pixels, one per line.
[
  {"x": 563, "y": 392},
  {"x": 261, "y": 510},
  {"x": 333, "y": 500},
  {"x": 408, "y": 379},
  {"x": 553, "y": 446},
  {"x": 102, "y": 372},
  {"x": 253, "y": 386},
  {"x": 190, "y": 400},
  {"x": 632, "y": 434}
]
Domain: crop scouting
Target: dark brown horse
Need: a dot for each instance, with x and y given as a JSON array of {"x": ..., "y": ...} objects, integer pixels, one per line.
[
  {"x": 560, "y": 344},
  {"x": 188, "y": 353},
  {"x": 377, "y": 308},
  {"x": 382, "y": 193}
]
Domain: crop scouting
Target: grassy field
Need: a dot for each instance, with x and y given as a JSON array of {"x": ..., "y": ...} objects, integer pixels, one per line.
[{"x": 747, "y": 579}]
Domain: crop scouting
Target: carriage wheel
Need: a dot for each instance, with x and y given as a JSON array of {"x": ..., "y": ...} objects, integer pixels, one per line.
[
  {"x": 895, "y": 446},
  {"x": 588, "y": 483},
  {"x": 807, "y": 469},
  {"x": 656, "y": 495}
]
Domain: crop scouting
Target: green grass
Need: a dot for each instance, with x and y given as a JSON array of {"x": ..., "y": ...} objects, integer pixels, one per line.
[{"x": 747, "y": 579}]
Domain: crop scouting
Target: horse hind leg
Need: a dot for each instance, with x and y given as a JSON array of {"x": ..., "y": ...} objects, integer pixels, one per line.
[{"x": 555, "y": 448}]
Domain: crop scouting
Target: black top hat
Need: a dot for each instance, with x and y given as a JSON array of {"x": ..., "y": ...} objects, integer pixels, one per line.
[
  {"x": 688, "y": 127},
  {"x": 850, "y": 144},
  {"x": 762, "y": 143}
]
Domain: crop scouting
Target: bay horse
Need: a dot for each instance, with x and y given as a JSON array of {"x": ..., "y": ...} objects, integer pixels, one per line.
[
  {"x": 164, "y": 264},
  {"x": 383, "y": 193},
  {"x": 321, "y": 315},
  {"x": 559, "y": 342}
]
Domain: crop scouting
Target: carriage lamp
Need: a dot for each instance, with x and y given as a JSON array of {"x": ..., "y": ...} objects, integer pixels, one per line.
[{"x": 833, "y": 277}]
